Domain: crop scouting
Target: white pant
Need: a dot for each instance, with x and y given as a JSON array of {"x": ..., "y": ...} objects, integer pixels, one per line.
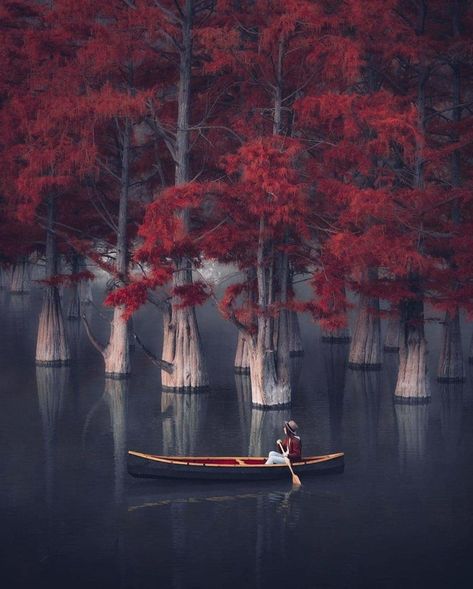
[{"x": 275, "y": 458}]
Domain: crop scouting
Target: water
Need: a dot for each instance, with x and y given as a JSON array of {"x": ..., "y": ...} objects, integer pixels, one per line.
[{"x": 399, "y": 516}]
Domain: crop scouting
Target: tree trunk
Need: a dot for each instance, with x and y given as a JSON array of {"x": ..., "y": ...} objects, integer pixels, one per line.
[
  {"x": 268, "y": 388},
  {"x": 365, "y": 349},
  {"x": 52, "y": 347},
  {"x": 181, "y": 339},
  {"x": 116, "y": 354},
  {"x": 412, "y": 382},
  {"x": 450, "y": 367},
  {"x": 183, "y": 349},
  {"x": 295, "y": 340},
  {"x": 73, "y": 311},
  {"x": 270, "y": 372},
  {"x": 85, "y": 292},
  {"x": 393, "y": 334},
  {"x": 20, "y": 277},
  {"x": 242, "y": 358}
]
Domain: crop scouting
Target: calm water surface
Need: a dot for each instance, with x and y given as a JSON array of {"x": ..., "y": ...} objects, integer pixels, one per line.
[{"x": 401, "y": 515}]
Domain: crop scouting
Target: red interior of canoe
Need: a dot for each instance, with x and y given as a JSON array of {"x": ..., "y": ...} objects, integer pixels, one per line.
[{"x": 221, "y": 461}]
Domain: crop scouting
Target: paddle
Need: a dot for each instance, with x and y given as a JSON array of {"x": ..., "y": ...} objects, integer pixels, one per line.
[{"x": 295, "y": 479}]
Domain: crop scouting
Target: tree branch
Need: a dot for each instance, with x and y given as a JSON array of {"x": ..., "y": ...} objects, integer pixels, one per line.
[
  {"x": 166, "y": 366},
  {"x": 97, "y": 345}
]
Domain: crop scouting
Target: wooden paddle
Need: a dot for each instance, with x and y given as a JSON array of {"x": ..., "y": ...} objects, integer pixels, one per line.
[{"x": 296, "y": 481}]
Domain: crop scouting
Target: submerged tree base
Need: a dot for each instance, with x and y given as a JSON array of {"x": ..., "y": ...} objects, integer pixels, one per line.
[
  {"x": 356, "y": 366},
  {"x": 185, "y": 390},
  {"x": 52, "y": 363},
  {"x": 451, "y": 379},
  {"x": 117, "y": 375},
  {"x": 277, "y": 407},
  {"x": 246, "y": 369},
  {"x": 411, "y": 400}
]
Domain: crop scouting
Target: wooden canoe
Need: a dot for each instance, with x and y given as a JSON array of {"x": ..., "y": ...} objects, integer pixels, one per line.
[{"x": 232, "y": 468}]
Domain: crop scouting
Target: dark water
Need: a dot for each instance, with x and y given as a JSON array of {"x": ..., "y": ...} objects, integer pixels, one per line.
[{"x": 399, "y": 516}]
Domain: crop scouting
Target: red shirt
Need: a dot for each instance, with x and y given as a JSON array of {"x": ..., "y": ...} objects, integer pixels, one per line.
[{"x": 295, "y": 447}]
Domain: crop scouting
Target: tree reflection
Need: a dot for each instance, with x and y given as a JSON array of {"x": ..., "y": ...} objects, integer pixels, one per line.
[
  {"x": 412, "y": 421},
  {"x": 266, "y": 428},
  {"x": 116, "y": 396},
  {"x": 183, "y": 422},
  {"x": 52, "y": 384},
  {"x": 335, "y": 357}
]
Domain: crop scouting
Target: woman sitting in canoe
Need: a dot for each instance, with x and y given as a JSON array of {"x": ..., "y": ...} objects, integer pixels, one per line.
[{"x": 291, "y": 446}]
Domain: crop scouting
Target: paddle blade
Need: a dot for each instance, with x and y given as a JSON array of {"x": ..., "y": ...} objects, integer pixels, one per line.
[{"x": 296, "y": 481}]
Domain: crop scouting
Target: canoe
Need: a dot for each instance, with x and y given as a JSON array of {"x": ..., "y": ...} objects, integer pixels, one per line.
[{"x": 231, "y": 468}]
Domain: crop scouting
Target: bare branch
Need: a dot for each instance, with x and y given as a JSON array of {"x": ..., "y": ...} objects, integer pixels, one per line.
[
  {"x": 166, "y": 366},
  {"x": 93, "y": 340}
]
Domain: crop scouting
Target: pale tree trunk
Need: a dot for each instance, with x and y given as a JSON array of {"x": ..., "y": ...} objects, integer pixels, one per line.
[
  {"x": 242, "y": 357},
  {"x": 116, "y": 353},
  {"x": 73, "y": 311},
  {"x": 450, "y": 367},
  {"x": 182, "y": 345},
  {"x": 20, "y": 277},
  {"x": 365, "y": 349},
  {"x": 52, "y": 348},
  {"x": 183, "y": 349},
  {"x": 269, "y": 363},
  {"x": 412, "y": 382},
  {"x": 393, "y": 334}
]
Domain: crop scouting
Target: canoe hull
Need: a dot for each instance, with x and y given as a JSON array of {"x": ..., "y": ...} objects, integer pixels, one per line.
[{"x": 160, "y": 467}]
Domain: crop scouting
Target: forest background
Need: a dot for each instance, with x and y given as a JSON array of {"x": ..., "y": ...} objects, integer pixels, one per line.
[{"x": 323, "y": 141}]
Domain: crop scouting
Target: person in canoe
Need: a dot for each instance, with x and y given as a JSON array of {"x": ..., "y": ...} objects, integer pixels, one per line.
[{"x": 291, "y": 445}]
